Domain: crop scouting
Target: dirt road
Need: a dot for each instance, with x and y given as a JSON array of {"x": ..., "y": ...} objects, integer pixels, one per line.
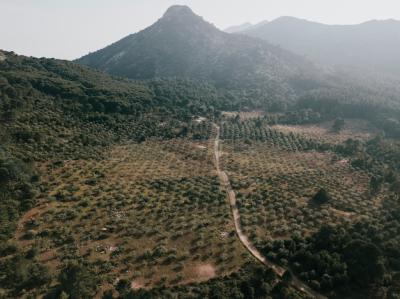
[{"x": 224, "y": 180}]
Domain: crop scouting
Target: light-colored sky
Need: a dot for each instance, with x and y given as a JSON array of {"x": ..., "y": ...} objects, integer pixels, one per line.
[{"x": 68, "y": 29}]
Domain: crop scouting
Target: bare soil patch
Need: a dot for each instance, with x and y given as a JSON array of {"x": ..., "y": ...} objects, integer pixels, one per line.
[
  {"x": 137, "y": 284},
  {"x": 205, "y": 271}
]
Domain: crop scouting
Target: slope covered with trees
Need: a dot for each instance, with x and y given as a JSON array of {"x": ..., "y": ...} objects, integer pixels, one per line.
[
  {"x": 58, "y": 110},
  {"x": 63, "y": 128}
]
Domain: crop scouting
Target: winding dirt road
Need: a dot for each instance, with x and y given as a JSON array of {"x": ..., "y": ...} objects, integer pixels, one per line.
[{"x": 224, "y": 179}]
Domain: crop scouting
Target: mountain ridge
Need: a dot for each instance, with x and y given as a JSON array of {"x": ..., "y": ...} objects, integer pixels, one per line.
[
  {"x": 372, "y": 44},
  {"x": 237, "y": 28},
  {"x": 297, "y": 19}
]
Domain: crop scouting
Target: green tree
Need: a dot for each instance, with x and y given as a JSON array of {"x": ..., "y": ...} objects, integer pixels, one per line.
[
  {"x": 321, "y": 197},
  {"x": 78, "y": 281},
  {"x": 4, "y": 175},
  {"x": 364, "y": 261},
  {"x": 338, "y": 125}
]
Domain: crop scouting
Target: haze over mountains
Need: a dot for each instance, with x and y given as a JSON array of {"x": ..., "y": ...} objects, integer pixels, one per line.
[
  {"x": 183, "y": 44},
  {"x": 256, "y": 72},
  {"x": 244, "y": 26},
  {"x": 373, "y": 44},
  {"x": 253, "y": 72},
  {"x": 238, "y": 28}
]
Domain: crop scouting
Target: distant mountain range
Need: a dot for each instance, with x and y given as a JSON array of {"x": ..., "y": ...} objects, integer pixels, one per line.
[
  {"x": 182, "y": 44},
  {"x": 373, "y": 44},
  {"x": 249, "y": 70},
  {"x": 244, "y": 26}
]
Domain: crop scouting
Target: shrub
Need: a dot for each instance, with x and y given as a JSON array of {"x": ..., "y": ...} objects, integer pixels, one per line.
[{"x": 321, "y": 197}]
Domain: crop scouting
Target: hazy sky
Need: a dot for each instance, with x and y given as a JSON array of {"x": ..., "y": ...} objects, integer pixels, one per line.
[{"x": 71, "y": 28}]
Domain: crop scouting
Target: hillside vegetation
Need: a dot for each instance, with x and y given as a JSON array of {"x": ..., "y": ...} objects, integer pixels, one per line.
[
  {"x": 126, "y": 168},
  {"x": 138, "y": 186}
]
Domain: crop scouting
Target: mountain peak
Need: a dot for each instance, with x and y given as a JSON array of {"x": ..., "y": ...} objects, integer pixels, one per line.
[
  {"x": 180, "y": 14},
  {"x": 183, "y": 44},
  {"x": 178, "y": 10},
  {"x": 290, "y": 19}
]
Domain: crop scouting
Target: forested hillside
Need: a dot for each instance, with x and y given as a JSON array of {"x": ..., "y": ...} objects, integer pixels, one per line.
[
  {"x": 63, "y": 128},
  {"x": 57, "y": 110}
]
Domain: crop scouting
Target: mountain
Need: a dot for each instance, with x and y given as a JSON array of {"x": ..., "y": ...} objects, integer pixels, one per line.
[
  {"x": 182, "y": 44},
  {"x": 247, "y": 72},
  {"x": 373, "y": 44},
  {"x": 244, "y": 27},
  {"x": 238, "y": 28}
]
